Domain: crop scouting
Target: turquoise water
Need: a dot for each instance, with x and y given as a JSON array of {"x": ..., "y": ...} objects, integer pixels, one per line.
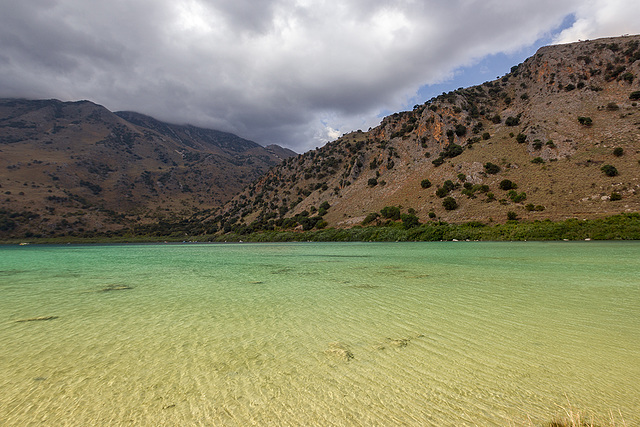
[{"x": 447, "y": 333}]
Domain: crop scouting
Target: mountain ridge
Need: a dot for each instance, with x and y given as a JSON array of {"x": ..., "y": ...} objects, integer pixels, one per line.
[
  {"x": 548, "y": 126},
  {"x": 76, "y": 167}
]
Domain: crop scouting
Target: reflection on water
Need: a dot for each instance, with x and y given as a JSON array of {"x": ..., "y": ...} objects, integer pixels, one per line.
[{"x": 273, "y": 334}]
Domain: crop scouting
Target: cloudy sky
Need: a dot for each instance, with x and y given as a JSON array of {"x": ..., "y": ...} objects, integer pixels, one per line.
[{"x": 292, "y": 72}]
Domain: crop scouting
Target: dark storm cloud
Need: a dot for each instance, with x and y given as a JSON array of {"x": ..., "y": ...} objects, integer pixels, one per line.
[{"x": 294, "y": 72}]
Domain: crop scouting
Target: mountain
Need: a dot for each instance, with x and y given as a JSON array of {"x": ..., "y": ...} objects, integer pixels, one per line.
[
  {"x": 558, "y": 137},
  {"x": 76, "y": 167}
]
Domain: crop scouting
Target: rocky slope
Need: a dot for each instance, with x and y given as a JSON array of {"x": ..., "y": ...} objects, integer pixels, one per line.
[
  {"x": 75, "y": 167},
  {"x": 548, "y": 127}
]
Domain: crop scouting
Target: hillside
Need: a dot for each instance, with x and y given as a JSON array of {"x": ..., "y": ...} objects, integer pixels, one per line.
[
  {"x": 548, "y": 127},
  {"x": 77, "y": 168}
]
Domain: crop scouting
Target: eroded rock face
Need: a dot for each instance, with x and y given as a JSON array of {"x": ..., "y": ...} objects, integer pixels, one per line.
[{"x": 547, "y": 124}]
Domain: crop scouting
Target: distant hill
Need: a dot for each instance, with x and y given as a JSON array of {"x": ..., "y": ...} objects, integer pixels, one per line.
[
  {"x": 558, "y": 137},
  {"x": 76, "y": 167}
]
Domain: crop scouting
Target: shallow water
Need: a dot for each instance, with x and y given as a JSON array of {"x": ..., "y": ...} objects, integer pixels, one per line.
[{"x": 449, "y": 333}]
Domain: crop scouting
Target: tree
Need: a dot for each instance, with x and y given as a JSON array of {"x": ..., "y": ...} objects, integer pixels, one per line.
[
  {"x": 452, "y": 150},
  {"x": 391, "y": 212},
  {"x": 585, "y": 121},
  {"x": 507, "y": 184},
  {"x": 618, "y": 151},
  {"x": 370, "y": 218},
  {"x": 425, "y": 183},
  {"x": 409, "y": 221},
  {"x": 491, "y": 168},
  {"x": 609, "y": 170},
  {"x": 450, "y": 204},
  {"x": 513, "y": 121}
]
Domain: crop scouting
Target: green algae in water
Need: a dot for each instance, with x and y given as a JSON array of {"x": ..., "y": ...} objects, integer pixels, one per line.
[{"x": 319, "y": 334}]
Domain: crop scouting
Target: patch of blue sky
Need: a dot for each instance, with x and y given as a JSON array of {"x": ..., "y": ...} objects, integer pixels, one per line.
[{"x": 488, "y": 68}]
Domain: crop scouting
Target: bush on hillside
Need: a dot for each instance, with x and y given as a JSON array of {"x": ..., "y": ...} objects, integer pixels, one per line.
[
  {"x": 609, "y": 170},
  {"x": 491, "y": 168},
  {"x": 586, "y": 121},
  {"x": 507, "y": 184},
  {"x": 450, "y": 204}
]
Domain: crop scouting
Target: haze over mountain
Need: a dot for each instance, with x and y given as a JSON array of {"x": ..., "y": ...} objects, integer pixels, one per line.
[
  {"x": 557, "y": 137},
  {"x": 77, "y": 167}
]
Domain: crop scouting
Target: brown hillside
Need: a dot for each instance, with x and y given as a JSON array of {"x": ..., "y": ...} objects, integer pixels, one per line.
[
  {"x": 550, "y": 125},
  {"x": 74, "y": 167}
]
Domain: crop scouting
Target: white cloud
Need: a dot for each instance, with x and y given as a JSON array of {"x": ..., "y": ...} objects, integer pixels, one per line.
[
  {"x": 293, "y": 72},
  {"x": 603, "y": 18}
]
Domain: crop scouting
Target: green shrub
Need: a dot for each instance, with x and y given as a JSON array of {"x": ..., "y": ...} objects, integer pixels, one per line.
[
  {"x": 450, "y": 135},
  {"x": 586, "y": 121},
  {"x": 442, "y": 192},
  {"x": 609, "y": 170},
  {"x": 512, "y": 121},
  {"x": 537, "y": 144},
  {"x": 449, "y": 185},
  {"x": 507, "y": 184},
  {"x": 370, "y": 218},
  {"x": 521, "y": 138},
  {"x": 461, "y": 130},
  {"x": 618, "y": 151},
  {"x": 461, "y": 177},
  {"x": 391, "y": 212},
  {"x": 372, "y": 182},
  {"x": 517, "y": 197},
  {"x": 537, "y": 160},
  {"x": 486, "y": 136},
  {"x": 491, "y": 168},
  {"x": 450, "y": 204},
  {"x": 615, "y": 196},
  {"x": 452, "y": 150},
  {"x": 425, "y": 183},
  {"x": 409, "y": 221},
  {"x": 512, "y": 216},
  {"x": 635, "y": 95}
]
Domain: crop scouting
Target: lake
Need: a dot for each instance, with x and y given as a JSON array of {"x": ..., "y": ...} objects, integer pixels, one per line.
[{"x": 345, "y": 334}]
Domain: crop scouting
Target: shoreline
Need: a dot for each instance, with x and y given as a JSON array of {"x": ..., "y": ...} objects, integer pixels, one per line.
[{"x": 616, "y": 227}]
